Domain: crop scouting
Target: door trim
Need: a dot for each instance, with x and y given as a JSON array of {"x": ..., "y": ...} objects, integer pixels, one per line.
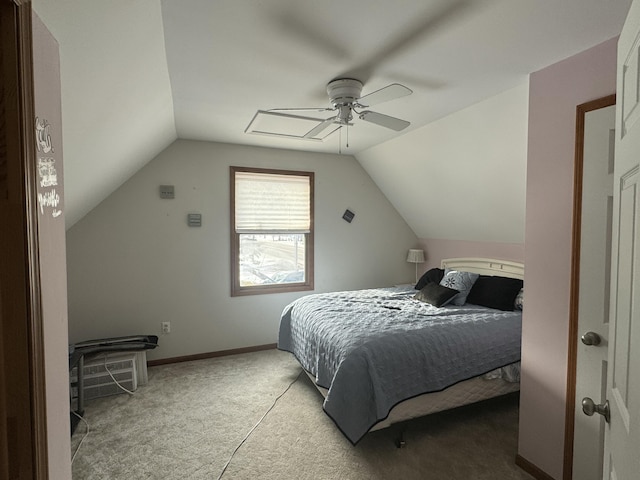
[
  {"x": 574, "y": 293},
  {"x": 23, "y": 329}
]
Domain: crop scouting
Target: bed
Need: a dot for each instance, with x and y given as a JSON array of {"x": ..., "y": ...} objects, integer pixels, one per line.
[{"x": 386, "y": 355}]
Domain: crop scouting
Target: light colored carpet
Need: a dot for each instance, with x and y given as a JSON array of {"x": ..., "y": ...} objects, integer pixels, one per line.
[{"x": 186, "y": 422}]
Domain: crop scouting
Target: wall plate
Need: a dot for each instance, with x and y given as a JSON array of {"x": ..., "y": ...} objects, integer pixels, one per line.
[
  {"x": 194, "y": 219},
  {"x": 167, "y": 191},
  {"x": 348, "y": 216}
]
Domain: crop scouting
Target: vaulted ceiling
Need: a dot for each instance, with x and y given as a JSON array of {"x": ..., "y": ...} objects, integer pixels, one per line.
[{"x": 137, "y": 74}]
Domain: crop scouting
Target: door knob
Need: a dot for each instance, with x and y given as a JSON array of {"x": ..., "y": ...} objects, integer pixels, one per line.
[
  {"x": 591, "y": 338},
  {"x": 589, "y": 407}
]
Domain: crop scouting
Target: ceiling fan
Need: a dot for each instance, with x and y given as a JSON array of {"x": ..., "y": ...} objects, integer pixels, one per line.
[
  {"x": 346, "y": 88},
  {"x": 346, "y": 100}
]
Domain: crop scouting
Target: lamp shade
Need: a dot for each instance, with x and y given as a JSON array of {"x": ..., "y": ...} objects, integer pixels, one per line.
[{"x": 415, "y": 255}]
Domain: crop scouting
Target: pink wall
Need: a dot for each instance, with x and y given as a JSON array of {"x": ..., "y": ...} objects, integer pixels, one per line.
[
  {"x": 554, "y": 93},
  {"x": 51, "y": 235},
  {"x": 436, "y": 249}
]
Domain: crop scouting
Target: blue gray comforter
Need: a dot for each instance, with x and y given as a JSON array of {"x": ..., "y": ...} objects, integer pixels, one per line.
[{"x": 375, "y": 348}]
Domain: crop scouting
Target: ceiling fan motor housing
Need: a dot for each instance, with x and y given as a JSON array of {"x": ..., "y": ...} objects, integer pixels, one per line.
[{"x": 344, "y": 91}]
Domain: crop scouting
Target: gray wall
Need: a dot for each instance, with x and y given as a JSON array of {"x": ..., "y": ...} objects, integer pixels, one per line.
[{"x": 133, "y": 262}]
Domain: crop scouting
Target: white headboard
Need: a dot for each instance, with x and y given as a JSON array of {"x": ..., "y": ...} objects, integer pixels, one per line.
[{"x": 485, "y": 266}]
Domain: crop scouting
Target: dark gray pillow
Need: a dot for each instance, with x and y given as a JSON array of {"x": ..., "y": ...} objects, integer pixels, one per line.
[
  {"x": 434, "y": 275},
  {"x": 495, "y": 292},
  {"x": 436, "y": 294}
]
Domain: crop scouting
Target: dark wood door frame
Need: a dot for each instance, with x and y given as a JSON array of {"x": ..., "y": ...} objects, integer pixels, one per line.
[
  {"x": 23, "y": 423},
  {"x": 574, "y": 296}
]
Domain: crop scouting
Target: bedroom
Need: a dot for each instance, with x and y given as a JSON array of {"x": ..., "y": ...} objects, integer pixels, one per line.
[{"x": 360, "y": 262}]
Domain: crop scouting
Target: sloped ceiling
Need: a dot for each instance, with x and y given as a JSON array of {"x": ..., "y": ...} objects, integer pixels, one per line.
[
  {"x": 137, "y": 74},
  {"x": 117, "y": 108}
]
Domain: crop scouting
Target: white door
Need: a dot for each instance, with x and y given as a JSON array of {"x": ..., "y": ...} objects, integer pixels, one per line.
[
  {"x": 622, "y": 435},
  {"x": 594, "y": 288}
]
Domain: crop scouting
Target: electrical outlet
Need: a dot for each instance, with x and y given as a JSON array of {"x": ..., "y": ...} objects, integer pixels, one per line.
[{"x": 166, "y": 327}]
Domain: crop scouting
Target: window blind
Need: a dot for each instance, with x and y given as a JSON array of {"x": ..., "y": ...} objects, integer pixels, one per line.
[{"x": 272, "y": 203}]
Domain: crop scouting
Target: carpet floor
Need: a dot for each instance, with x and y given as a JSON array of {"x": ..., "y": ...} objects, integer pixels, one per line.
[{"x": 190, "y": 417}]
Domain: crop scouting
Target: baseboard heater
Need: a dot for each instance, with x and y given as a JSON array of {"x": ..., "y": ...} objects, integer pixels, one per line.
[
  {"x": 124, "y": 357},
  {"x": 129, "y": 369}
]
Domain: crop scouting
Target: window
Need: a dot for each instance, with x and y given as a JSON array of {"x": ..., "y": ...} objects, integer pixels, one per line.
[{"x": 271, "y": 231}]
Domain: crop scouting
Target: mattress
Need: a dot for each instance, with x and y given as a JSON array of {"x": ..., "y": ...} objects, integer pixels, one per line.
[{"x": 464, "y": 393}]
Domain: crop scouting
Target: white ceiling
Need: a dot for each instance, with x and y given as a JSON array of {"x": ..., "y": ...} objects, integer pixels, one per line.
[{"x": 127, "y": 94}]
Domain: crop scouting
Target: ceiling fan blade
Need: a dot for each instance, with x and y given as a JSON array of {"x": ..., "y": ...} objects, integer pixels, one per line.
[
  {"x": 293, "y": 21},
  {"x": 301, "y": 109},
  {"x": 390, "y": 92},
  {"x": 315, "y": 131},
  {"x": 418, "y": 81},
  {"x": 384, "y": 120},
  {"x": 410, "y": 34}
]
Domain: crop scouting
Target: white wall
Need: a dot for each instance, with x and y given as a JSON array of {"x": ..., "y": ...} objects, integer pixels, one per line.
[
  {"x": 133, "y": 262},
  {"x": 462, "y": 177}
]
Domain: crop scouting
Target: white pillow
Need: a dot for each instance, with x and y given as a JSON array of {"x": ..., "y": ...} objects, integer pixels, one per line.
[
  {"x": 461, "y": 281},
  {"x": 519, "y": 303}
]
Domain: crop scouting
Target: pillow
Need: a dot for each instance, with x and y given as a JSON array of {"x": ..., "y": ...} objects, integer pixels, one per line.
[
  {"x": 434, "y": 275},
  {"x": 495, "y": 292},
  {"x": 436, "y": 294},
  {"x": 461, "y": 281},
  {"x": 519, "y": 303}
]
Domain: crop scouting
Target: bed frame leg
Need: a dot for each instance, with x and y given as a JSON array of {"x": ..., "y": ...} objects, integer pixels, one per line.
[{"x": 400, "y": 442}]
